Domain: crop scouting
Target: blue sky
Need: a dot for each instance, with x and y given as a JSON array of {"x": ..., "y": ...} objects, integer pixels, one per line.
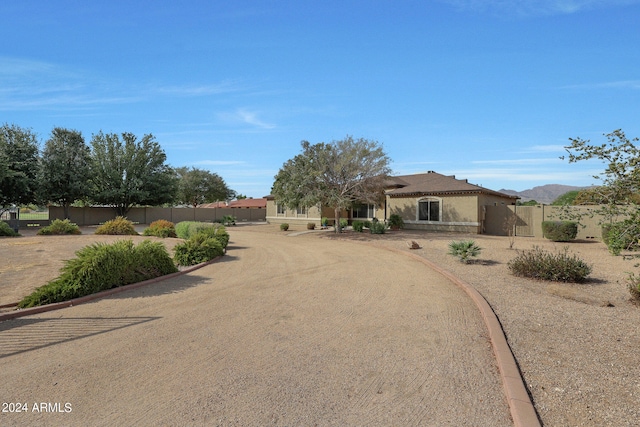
[{"x": 484, "y": 90}]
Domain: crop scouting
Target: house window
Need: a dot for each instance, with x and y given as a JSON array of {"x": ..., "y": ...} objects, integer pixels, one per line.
[
  {"x": 280, "y": 209},
  {"x": 301, "y": 210},
  {"x": 363, "y": 211},
  {"x": 429, "y": 210}
]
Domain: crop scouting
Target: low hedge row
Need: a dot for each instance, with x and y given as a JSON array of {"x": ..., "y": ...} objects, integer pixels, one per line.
[{"x": 101, "y": 266}]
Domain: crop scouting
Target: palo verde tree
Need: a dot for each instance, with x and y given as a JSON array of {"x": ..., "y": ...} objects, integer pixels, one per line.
[
  {"x": 621, "y": 177},
  {"x": 620, "y": 181},
  {"x": 337, "y": 175},
  {"x": 130, "y": 171},
  {"x": 65, "y": 168},
  {"x": 19, "y": 156},
  {"x": 199, "y": 186}
]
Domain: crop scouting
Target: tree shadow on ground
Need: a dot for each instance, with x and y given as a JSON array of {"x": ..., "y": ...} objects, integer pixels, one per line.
[{"x": 26, "y": 334}]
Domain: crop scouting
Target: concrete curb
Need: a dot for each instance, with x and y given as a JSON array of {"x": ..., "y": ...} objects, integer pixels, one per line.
[
  {"x": 522, "y": 410},
  {"x": 98, "y": 295}
]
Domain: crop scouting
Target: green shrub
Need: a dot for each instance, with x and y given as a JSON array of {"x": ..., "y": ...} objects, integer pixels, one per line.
[
  {"x": 395, "y": 221},
  {"x": 284, "y": 226},
  {"x": 367, "y": 224},
  {"x": 623, "y": 235},
  {"x": 161, "y": 228},
  {"x": 100, "y": 266},
  {"x": 228, "y": 220},
  {"x": 464, "y": 250},
  {"x": 560, "y": 231},
  {"x": 358, "y": 226},
  {"x": 120, "y": 226},
  {"x": 634, "y": 287},
  {"x": 311, "y": 226},
  {"x": 544, "y": 265},
  {"x": 325, "y": 221},
  {"x": 186, "y": 229},
  {"x": 182, "y": 229},
  {"x": 197, "y": 249},
  {"x": 58, "y": 226},
  {"x": 344, "y": 222},
  {"x": 5, "y": 230},
  {"x": 377, "y": 227},
  {"x": 214, "y": 231}
]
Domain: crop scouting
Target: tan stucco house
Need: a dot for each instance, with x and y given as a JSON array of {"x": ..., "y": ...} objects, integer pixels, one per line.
[{"x": 426, "y": 201}]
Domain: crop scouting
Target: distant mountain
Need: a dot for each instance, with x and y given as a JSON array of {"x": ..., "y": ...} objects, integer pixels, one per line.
[{"x": 543, "y": 193}]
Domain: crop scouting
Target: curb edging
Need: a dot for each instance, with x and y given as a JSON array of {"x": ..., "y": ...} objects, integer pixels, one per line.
[
  {"x": 521, "y": 407},
  {"x": 81, "y": 300}
]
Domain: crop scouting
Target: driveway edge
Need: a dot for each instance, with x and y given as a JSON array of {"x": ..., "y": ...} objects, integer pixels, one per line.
[
  {"x": 522, "y": 410},
  {"x": 81, "y": 300}
]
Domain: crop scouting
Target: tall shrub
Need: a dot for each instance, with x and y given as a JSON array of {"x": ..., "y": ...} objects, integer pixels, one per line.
[{"x": 560, "y": 231}]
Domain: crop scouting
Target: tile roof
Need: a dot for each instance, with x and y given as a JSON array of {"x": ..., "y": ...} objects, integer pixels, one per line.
[{"x": 434, "y": 183}]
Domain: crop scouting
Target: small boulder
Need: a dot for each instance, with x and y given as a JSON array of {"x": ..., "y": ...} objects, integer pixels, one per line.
[{"x": 413, "y": 245}]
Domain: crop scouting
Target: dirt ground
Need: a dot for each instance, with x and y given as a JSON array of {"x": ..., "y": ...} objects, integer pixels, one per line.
[{"x": 285, "y": 329}]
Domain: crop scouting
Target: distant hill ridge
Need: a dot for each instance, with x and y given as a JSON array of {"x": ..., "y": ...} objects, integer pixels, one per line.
[{"x": 543, "y": 193}]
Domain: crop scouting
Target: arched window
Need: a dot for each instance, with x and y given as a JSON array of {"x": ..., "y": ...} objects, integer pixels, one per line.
[{"x": 429, "y": 209}]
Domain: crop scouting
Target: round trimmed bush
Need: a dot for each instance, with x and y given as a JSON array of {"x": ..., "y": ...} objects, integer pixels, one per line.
[
  {"x": 58, "y": 227},
  {"x": 161, "y": 228},
  {"x": 120, "y": 226}
]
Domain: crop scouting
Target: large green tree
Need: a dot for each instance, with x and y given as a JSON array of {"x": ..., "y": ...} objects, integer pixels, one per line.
[
  {"x": 19, "y": 154},
  {"x": 565, "y": 199},
  {"x": 199, "y": 186},
  {"x": 127, "y": 171},
  {"x": 337, "y": 175},
  {"x": 65, "y": 169}
]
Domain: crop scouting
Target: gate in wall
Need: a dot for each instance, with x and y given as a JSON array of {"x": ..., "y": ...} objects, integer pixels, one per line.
[{"x": 524, "y": 223}]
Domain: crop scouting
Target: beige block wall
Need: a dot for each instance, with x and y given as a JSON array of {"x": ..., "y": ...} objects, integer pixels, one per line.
[
  {"x": 99, "y": 215},
  {"x": 291, "y": 216},
  {"x": 459, "y": 213}
]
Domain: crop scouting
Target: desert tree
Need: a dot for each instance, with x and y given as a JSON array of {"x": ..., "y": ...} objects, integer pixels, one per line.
[
  {"x": 620, "y": 180},
  {"x": 199, "y": 186},
  {"x": 65, "y": 169},
  {"x": 19, "y": 157},
  {"x": 337, "y": 175},
  {"x": 127, "y": 171}
]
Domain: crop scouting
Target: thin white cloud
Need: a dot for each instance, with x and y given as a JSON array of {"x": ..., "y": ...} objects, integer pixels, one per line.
[
  {"x": 506, "y": 175},
  {"x": 535, "y": 7},
  {"x": 243, "y": 116},
  {"x": 32, "y": 85},
  {"x": 21, "y": 67},
  {"x": 619, "y": 84},
  {"x": 554, "y": 148},
  {"x": 200, "y": 90},
  {"x": 546, "y": 161}
]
